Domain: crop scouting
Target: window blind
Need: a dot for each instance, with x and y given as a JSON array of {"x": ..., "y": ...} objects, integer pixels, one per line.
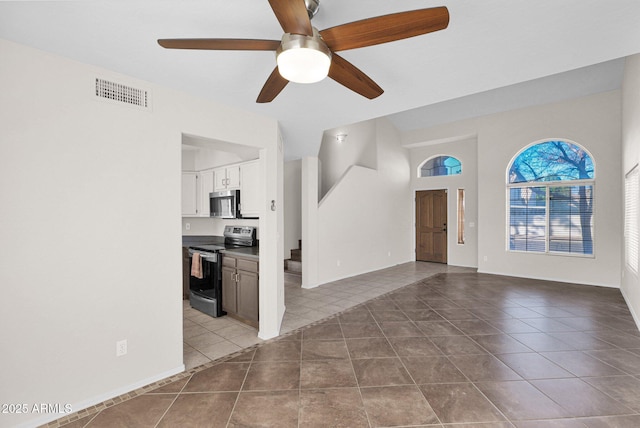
[
  {"x": 571, "y": 219},
  {"x": 551, "y": 219},
  {"x": 631, "y": 190},
  {"x": 527, "y": 218}
]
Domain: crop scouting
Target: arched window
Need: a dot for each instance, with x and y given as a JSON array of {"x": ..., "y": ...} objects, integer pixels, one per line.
[
  {"x": 440, "y": 165},
  {"x": 550, "y": 199}
]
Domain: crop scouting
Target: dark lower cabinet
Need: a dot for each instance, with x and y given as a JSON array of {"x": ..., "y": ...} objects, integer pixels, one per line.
[
  {"x": 229, "y": 287},
  {"x": 240, "y": 289}
]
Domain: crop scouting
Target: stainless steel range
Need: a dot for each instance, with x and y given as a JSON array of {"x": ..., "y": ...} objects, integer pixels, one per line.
[
  {"x": 240, "y": 236},
  {"x": 205, "y": 282}
]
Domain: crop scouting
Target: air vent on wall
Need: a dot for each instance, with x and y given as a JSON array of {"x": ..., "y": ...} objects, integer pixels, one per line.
[{"x": 122, "y": 93}]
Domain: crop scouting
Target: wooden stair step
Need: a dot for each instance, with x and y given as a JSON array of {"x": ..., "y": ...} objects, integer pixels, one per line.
[{"x": 292, "y": 266}]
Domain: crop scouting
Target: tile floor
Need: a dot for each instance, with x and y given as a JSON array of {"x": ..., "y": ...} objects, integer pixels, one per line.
[
  {"x": 453, "y": 350},
  {"x": 207, "y": 338}
]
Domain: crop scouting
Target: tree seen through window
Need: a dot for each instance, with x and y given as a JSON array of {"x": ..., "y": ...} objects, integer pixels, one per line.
[
  {"x": 441, "y": 165},
  {"x": 554, "y": 215}
]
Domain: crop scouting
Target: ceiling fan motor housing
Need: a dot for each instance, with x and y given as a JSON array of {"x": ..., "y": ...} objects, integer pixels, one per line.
[{"x": 303, "y": 59}]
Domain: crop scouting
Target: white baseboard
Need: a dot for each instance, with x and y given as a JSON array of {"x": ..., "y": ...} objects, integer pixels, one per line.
[
  {"x": 45, "y": 419},
  {"x": 546, "y": 278},
  {"x": 635, "y": 316}
]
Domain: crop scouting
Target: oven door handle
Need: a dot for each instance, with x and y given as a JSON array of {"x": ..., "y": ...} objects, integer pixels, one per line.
[{"x": 210, "y": 257}]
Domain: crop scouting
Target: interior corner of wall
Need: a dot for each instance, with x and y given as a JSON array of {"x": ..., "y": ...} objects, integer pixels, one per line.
[
  {"x": 307, "y": 285},
  {"x": 631, "y": 305}
]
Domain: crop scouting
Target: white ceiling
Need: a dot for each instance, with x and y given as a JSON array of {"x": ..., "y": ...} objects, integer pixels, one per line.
[
  {"x": 489, "y": 44},
  {"x": 601, "y": 77}
]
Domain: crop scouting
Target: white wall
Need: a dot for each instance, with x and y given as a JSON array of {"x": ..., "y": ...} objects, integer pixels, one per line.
[
  {"x": 310, "y": 189},
  {"x": 338, "y": 156},
  {"x": 213, "y": 226},
  {"x": 466, "y": 152},
  {"x": 189, "y": 159},
  {"x": 292, "y": 205},
  {"x": 593, "y": 122},
  {"x": 364, "y": 221},
  {"x": 90, "y": 225},
  {"x": 205, "y": 159},
  {"x": 630, "y": 158},
  {"x": 197, "y": 158},
  {"x": 396, "y": 221}
]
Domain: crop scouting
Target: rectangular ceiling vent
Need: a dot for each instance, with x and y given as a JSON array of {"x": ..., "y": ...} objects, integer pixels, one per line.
[{"x": 122, "y": 93}]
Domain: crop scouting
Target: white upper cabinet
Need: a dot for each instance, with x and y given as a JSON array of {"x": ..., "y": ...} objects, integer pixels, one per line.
[
  {"x": 227, "y": 178},
  {"x": 196, "y": 187},
  {"x": 250, "y": 189},
  {"x": 190, "y": 194}
]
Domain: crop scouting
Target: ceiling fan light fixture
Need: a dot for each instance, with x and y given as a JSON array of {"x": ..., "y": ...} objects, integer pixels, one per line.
[{"x": 303, "y": 59}]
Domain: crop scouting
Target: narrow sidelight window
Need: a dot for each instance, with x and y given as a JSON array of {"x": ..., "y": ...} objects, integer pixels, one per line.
[{"x": 460, "y": 216}]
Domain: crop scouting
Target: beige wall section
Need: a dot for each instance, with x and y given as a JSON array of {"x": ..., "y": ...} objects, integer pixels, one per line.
[
  {"x": 90, "y": 223},
  {"x": 631, "y": 158},
  {"x": 364, "y": 220},
  {"x": 309, "y": 190},
  {"x": 466, "y": 152},
  {"x": 593, "y": 122}
]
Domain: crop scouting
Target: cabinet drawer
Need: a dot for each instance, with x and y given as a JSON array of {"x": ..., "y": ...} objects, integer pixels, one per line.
[
  {"x": 228, "y": 261},
  {"x": 248, "y": 265}
]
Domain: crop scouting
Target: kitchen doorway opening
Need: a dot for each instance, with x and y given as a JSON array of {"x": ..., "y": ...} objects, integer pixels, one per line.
[{"x": 207, "y": 335}]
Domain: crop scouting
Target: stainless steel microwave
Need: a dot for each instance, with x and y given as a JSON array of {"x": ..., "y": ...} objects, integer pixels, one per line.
[{"x": 224, "y": 204}]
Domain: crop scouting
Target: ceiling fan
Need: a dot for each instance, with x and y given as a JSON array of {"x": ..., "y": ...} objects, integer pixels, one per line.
[{"x": 306, "y": 55}]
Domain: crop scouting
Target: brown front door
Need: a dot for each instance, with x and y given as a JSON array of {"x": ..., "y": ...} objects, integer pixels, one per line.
[{"x": 431, "y": 226}]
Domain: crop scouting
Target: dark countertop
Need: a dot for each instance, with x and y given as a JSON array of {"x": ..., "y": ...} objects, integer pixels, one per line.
[
  {"x": 200, "y": 240},
  {"x": 193, "y": 240}
]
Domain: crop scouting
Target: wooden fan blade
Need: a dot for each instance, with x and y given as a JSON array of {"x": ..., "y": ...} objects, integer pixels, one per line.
[
  {"x": 274, "y": 85},
  {"x": 348, "y": 75},
  {"x": 386, "y": 28},
  {"x": 293, "y": 16},
  {"x": 221, "y": 44}
]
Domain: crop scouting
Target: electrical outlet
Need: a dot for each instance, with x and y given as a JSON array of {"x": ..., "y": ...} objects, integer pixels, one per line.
[
  {"x": 485, "y": 258},
  {"x": 389, "y": 253},
  {"x": 121, "y": 348},
  {"x": 338, "y": 262},
  {"x": 187, "y": 226}
]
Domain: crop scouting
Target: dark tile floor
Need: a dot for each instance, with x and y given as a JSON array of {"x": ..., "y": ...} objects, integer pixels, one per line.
[{"x": 455, "y": 350}]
